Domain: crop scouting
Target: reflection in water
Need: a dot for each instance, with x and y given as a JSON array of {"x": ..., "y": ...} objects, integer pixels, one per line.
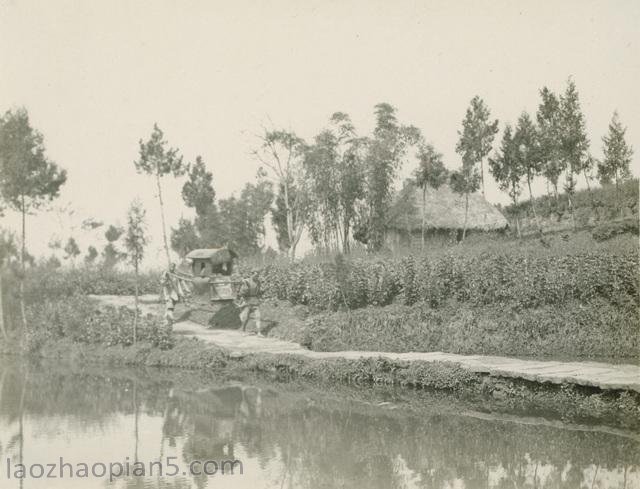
[{"x": 285, "y": 439}]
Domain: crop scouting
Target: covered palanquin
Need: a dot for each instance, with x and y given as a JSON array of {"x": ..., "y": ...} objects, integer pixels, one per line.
[{"x": 208, "y": 272}]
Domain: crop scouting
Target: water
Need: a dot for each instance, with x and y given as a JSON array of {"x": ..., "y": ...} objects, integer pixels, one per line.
[{"x": 284, "y": 435}]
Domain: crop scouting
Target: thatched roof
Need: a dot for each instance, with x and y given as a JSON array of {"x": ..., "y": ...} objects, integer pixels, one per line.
[
  {"x": 444, "y": 209},
  {"x": 215, "y": 255}
]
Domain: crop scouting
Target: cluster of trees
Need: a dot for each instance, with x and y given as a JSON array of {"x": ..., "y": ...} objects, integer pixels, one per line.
[
  {"x": 339, "y": 186},
  {"x": 555, "y": 146}
]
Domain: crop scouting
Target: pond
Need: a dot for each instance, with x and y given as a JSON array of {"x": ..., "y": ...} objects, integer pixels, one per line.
[{"x": 93, "y": 424}]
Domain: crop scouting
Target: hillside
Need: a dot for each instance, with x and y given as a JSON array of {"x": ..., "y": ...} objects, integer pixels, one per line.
[{"x": 596, "y": 207}]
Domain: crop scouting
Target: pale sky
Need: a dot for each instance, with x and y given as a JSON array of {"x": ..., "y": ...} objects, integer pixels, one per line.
[{"x": 96, "y": 75}]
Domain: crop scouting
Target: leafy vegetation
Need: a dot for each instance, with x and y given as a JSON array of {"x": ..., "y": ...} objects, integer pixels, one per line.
[
  {"x": 595, "y": 330},
  {"x": 523, "y": 278},
  {"x": 79, "y": 320}
]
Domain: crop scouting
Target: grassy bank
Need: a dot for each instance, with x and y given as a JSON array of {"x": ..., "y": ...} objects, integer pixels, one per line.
[
  {"x": 485, "y": 393},
  {"x": 597, "y": 329},
  {"x": 74, "y": 329}
]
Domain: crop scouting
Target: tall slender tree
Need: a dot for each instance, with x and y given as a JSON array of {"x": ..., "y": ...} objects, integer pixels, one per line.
[
  {"x": 28, "y": 179},
  {"x": 8, "y": 254},
  {"x": 574, "y": 144},
  {"x": 431, "y": 173},
  {"x": 507, "y": 169},
  {"x": 549, "y": 123},
  {"x": 136, "y": 241},
  {"x": 334, "y": 170},
  {"x": 617, "y": 157},
  {"x": 476, "y": 137},
  {"x": 528, "y": 154},
  {"x": 158, "y": 160}
]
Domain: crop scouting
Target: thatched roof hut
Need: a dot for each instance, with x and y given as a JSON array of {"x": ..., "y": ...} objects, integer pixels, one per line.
[{"x": 444, "y": 211}]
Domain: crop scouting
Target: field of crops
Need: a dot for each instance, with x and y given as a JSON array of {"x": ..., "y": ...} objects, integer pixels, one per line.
[{"x": 523, "y": 277}]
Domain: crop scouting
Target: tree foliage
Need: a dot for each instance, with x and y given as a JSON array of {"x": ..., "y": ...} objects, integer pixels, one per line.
[
  {"x": 617, "y": 157},
  {"x": 574, "y": 144},
  {"x": 28, "y": 179},
  {"x": 282, "y": 153},
  {"x": 92, "y": 254},
  {"x": 334, "y": 170},
  {"x": 617, "y": 154},
  {"x": 111, "y": 255},
  {"x": 431, "y": 173},
  {"x": 197, "y": 191},
  {"x": 476, "y": 138},
  {"x": 136, "y": 239},
  {"x": 386, "y": 150},
  {"x": 71, "y": 249},
  {"x": 507, "y": 167},
  {"x": 185, "y": 237},
  {"x": 549, "y": 137}
]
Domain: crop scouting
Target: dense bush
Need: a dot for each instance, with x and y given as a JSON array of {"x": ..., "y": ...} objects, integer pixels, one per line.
[
  {"x": 79, "y": 320},
  {"x": 608, "y": 230},
  {"x": 597, "y": 329},
  {"x": 523, "y": 279}
]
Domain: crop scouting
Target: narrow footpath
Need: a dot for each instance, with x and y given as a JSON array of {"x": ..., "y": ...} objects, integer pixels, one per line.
[{"x": 596, "y": 374}]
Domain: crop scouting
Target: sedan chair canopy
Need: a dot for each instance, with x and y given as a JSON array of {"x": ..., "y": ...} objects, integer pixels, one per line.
[{"x": 210, "y": 261}]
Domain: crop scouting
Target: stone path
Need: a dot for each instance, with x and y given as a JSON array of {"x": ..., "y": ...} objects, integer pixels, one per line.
[{"x": 596, "y": 374}]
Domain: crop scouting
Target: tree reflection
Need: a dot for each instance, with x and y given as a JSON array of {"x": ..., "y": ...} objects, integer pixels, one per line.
[{"x": 300, "y": 439}]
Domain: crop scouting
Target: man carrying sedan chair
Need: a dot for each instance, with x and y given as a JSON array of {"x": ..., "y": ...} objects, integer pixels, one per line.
[{"x": 249, "y": 303}]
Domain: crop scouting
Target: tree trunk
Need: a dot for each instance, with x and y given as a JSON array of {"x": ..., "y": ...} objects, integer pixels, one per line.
[
  {"x": 289, "y": 215},
  {"x": 533, "y": 205},
  {"x": 586, "y": 179},
  {"x": 23, "y": 267},
  {"x": 345, "y": 236},
  {"x": 573, "y": 217},
  {"x": 135, "y": 315},
  {"x": 136, "y": 415},
  {"x": 482, "y": 176},
  {"x": 618, "y": 206},
  {"x": 4, "y": 331},
  {"x": 515, "y": 205},
  {"x": 164, "y": 227},
  {"x": 424, "y": 212},
  {"x": 466, "y": 214}
]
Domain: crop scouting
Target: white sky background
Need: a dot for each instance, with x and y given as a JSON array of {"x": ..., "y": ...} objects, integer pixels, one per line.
[{"x": 96, "y": 75}]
